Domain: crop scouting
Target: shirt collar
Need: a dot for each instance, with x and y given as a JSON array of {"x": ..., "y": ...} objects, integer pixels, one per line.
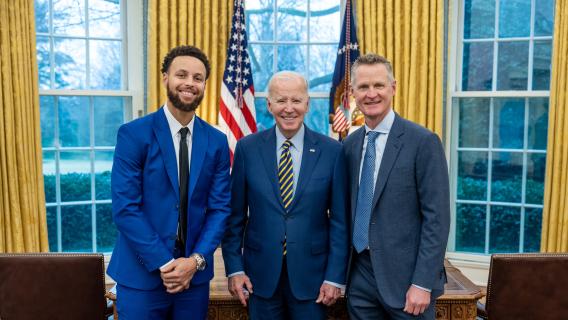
[
  {"x": 297, "y": 140},
  {"x": 385, "y": 125},
  {"x": 174, "y": 125}
]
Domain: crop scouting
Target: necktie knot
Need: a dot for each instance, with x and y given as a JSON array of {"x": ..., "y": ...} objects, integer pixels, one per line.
[
  {"x": 286, "y": 145},
  {"x": 183, "y": 132},
  {"x": 372, "y": 136}
]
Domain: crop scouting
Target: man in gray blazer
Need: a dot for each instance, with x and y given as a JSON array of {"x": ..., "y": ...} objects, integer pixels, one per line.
[{"x": 400, "y": 209}]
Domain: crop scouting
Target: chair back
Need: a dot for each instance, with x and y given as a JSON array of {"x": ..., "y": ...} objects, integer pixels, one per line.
[
  {"x": 528, "y": 286},
  {"x": 52, "y": 286}
]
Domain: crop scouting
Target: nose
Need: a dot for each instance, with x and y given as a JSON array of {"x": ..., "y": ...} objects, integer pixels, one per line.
[{"x": 373, "y": 92}]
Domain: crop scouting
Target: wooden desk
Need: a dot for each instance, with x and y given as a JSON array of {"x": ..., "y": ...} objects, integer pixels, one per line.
[{"x": 458, "y": 302}]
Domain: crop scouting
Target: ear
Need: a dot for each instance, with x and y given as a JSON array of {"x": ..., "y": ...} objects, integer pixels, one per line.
[
  {"x": 165, "y": 79},
  {"x": 268, "y": 105},
  {"x": 393, "y": 84}
]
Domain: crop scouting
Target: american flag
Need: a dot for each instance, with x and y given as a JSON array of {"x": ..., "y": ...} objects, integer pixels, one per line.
[
  {"x": 347, "y": 53},
  {"x": 237, "y": 116}
]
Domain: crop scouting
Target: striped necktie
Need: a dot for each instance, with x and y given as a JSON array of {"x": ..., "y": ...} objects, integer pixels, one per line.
[{"x": 286, "y": 180}]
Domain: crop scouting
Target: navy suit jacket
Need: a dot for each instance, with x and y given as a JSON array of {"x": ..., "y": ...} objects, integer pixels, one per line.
[
  {"x": 315, "y": 226},
  {"x": 145, "y": 197},
  {"x": 410, "y": 216}
]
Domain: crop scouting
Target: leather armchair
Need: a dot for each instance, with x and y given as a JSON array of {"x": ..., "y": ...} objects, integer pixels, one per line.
[
  {"x": 52, "y": 286},
  {"x": 526, "y": 286}
]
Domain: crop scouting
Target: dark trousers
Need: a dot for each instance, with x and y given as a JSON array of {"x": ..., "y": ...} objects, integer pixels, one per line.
[
  {"x": 364, "y": 300},
  {"x": 283, "y": 305}
]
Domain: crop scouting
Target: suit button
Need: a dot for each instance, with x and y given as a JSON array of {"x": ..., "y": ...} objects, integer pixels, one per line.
[{"x": 177, "y": 206}]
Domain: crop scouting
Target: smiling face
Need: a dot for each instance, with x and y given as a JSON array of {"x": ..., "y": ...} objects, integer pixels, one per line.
[
  {"x": 185, "y": 83},
  {"x": 288, "y": 102},
  {"x": 373, "y": 91}
]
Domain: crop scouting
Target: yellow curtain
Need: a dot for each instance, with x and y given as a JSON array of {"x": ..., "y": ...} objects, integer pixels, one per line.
[
  {"x": 23, "y": 226},
  {"x": 555, "y": 213},
  {"x": 202, "y": 23},
  {"x": 410, "y": 33}
]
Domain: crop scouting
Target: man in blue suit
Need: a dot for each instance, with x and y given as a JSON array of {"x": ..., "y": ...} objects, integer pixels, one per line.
[
  {"x": 286, "y": 243},
  {"x": 170, "y": 199},
  {"x": 400, "y": 206}
]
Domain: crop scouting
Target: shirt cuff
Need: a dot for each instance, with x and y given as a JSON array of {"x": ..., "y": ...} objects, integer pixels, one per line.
[
  {"x": 337, "y": 285},
  {"x": 422, "y": 288},
  {"x": 236, "y": 274},
  {"x": 166, "y": 264}
]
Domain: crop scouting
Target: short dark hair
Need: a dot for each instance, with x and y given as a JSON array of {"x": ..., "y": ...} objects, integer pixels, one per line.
[
  {"x": 186, "y": 51},
  {"x": 370, "y": 59}
]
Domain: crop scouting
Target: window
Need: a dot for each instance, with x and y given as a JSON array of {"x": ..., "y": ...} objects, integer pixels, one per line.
[
  {"x": 84, "y": 98},
  {"x": 298, "y": 35},
  {"x": 499, "y": 100}
]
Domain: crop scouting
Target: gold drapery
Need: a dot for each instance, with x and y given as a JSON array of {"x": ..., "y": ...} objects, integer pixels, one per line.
[
  {"x": 555, "y": 212},
  {"x": 202, "y": 23},
  {"x": 23, "y": 226},
  {"x": 410, "y": 33}
]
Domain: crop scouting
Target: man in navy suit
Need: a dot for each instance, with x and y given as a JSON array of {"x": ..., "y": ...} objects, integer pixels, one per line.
[
  {"x": 170, "y": 199},
  {"x": 400, "y": 206},
  {"x": 286, "y": 244}
]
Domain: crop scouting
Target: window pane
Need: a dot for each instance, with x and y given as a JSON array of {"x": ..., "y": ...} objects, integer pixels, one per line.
[
  {"x": 479, "y": 19},
  {"x": 536, "y": 163},
  {"x": 292, "y": 20},
  {"x": 43, "y": 62},
  {"x": 106, "y": 229},
  {"x": 293, "y": 57},
  {"x": 470, "y": 227},
  {"x": 262, "y": 60},
  {"x": 322, "y": 59},
  {"x": 533, "y": 227},
  {"x": 76, "y": 230},
  {"x": 104, "y": 18},
  {"x": 41, "y": 11},
  {"x": 109, "y": 115},
  {"x": 324, "y": 18},
  {"x": 472, "y": 175},
  {"x": 103, "y": 167},
  {"x": 541, "y": 65},
  {"x": 544, "y": 18},
  {"x": 474, "y": 122},
  {"x": 317, "y": 115},
  {"x": 74, "y": 121},
  {"x": 514, "y": 16},
  {"x": 260, "y": 19},
  {"x": 49, "y": 182},
  {"x": 51, "y": 213},
  {"x": 512, "y": 68},
  {"x": 105, "y": 64},
  {"x": 504, "y": 231},
  {"x": 69, "y": 17},
  {"x": 477, "y": 73},
  {"x": 47, "y": 121},
  {"x": 506, "y": 181},
  {"x": 508, "y": 123},
  {"x": 538, "y": 123},
  {"x": 264, "y": 119},
  {"x": 70, "y": 63},
  {"x": 75, "y": 176}
]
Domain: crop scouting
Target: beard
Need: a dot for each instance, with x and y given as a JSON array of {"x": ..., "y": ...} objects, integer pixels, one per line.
[{"x": 187, "y": 107}]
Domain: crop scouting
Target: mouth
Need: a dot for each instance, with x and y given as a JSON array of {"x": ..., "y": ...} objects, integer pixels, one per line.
[{"x": 186, "y": 94}]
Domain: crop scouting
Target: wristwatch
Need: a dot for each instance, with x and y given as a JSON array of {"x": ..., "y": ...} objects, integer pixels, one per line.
[{"x": 201, "y": 263}]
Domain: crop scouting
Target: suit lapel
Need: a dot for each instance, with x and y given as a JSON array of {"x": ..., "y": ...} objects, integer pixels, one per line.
[
  {"x": 310, "y": 156},
  {"x": 268, "y": 154},
  {"x": 199, "y": 142},
  {"x": 392, "y": 149},
  {"x": 165, "y": 141},
  {"x": 355, "y": 156}
]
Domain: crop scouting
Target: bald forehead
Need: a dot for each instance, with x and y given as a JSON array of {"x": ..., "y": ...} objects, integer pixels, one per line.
[{"x": 287, "y": 77}]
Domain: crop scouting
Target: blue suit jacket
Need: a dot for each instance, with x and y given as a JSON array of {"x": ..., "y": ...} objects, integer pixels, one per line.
[
  {"x": 145, "y": 197},
  {"x": 315, "y": 226},
  {"x": 410, "y": 217}
]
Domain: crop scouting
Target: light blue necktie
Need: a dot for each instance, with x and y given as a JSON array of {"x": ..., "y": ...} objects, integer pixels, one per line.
[{"x": 365, "y": 195}]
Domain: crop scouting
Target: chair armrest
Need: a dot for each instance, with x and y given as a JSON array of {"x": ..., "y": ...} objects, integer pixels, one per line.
[
  {"x": 111, "y": 308},
  {"x": 481, "y": 312}
]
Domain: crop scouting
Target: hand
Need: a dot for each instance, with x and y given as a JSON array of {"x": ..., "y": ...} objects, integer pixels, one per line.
[
  {"x": 417, "y": 300},
  {"x": 240, "y": 287},
  {"x": 177, "y": 275},
  {"x": 328, "y": 294}
]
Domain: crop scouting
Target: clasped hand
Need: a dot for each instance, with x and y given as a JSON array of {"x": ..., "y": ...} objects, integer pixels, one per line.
[{"x": 177, "y": 275}]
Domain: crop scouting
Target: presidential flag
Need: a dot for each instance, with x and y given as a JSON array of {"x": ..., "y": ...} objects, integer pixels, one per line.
[
  {"x": 347, "y": 52},
  {"x": 237, "y": 116}
]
